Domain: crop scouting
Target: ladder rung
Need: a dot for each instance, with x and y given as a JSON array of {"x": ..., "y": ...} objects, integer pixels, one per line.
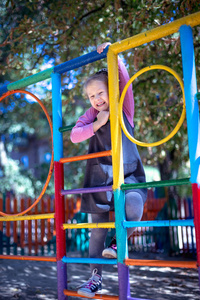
[
  {"x": 160, "y": 263},
  {"x": 87, "y": 190},
  {"x": 34, "y": 258},
  {"x": 85, "y": 156},
  {"x": 141, "y": 185},
  {"x": 88, "y": 225},
  {"x": 86, "y": 260},
  {"x": 97, "y": 296},
  {"x": 158, "y": 223}
]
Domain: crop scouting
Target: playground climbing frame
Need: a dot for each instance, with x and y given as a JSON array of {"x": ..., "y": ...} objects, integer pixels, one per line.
[{"x": 184, "y": 26}]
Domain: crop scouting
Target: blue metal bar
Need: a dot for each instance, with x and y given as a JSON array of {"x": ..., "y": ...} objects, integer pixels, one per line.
[
  {"x": 57, "y": 116},
  {"x": 192, "y": 108},
  {"x": 159, "y": 223},
  {"x": 82, "y": 260},
  {"x": 80, "y": 61}
]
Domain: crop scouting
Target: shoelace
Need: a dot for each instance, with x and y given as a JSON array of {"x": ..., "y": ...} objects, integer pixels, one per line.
[{"x": 91, "y": 282}]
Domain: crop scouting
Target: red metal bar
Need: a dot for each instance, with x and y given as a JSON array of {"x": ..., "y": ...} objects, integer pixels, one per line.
[
  {"x": 8, "y": 210},
  {"x": 1, "y": 209},
  {"x": 49, "y": 221},
  {"x": 59, "y": 210},
  {"x": 196, "y": 206},
  {"x": 36, "y": 229},
  {"x": 22, "y": 229},
  {"x": 42, "y": 223},
  {"x": 15, "y": 223},
  {"x": 29, "y": 230}
]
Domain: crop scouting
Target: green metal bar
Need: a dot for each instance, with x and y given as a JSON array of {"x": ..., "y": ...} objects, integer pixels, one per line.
[
  {"x": 30, "y": 80},
  {"x": 141, "y": 185},
  {"x": 66, "y": 128}
]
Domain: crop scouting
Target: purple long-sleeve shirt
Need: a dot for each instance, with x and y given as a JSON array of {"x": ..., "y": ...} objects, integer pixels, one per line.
[{"x": 83, "y": 129}]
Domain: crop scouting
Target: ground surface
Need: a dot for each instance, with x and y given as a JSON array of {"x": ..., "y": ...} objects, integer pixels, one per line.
[{"x": 28, "y": 280}]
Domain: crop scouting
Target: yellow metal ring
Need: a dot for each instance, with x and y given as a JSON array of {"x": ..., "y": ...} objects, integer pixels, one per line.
[{"x": 121, "y": 118}]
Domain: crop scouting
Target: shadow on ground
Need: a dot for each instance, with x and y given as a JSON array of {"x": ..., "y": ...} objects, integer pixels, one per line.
[{"x": 29, "y": 280}]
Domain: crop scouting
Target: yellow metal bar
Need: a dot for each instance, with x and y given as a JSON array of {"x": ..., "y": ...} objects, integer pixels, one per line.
[
  {"x": 89, "y": 225},
  {"x": 30, "y": 217},
  {"x": 116, "y": 134},
  {"x": 154, "y": 34}
]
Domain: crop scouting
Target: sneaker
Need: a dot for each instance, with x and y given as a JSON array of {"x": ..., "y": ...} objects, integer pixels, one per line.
[
  {"x": 89, "y": 288},
  {"x": 111, "y": 251}
]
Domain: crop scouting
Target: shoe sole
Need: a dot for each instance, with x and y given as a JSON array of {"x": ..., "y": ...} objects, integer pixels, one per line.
[
  {"x": 89, "y": 295},
  {"x": 109, "y": 254}
]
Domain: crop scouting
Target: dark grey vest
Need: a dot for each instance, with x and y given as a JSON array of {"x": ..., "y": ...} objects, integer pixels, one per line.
[{"x": 99, "y": 170}]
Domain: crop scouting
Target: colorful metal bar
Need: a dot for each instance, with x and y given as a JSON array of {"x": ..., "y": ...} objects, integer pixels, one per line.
[
  {"x": 86, "y": 156},
  {"x": 151, "y": 184},
  {"x": 192, "y": 107},
  {"x": 80, "y": 61},
  {"x": 84, "y": 260},
  {"x": 87, "y": 190},
  {"x": 59, "y": 184},
  {"x": 193, "y": 124},
  {"x": 118, "y": 173},
  {"x": 161, "y": 263},
  {"x": 88, "y": 225},
  {"x": 66, "y": 128},
  {"x": 57, "y": 116},
  {"x": 154, "y": 34},
  {"x": 29, "y": 217},
  {"x": 196, "y": 207},
  {"x": 123, "y": 280},
  {"x": 158, "y": 223},
  {"x": 97, "y": 296},
  {"x": 34, "y": 258}
]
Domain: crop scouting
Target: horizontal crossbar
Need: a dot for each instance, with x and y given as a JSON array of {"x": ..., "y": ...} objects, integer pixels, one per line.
[
  {"x": 87, "y": 190},
  {"x": 161, "y": 263},
  {"x": 35, "y": 258},
  {"x": 85, "y": 260},
  {"x": 88, "y": 225},
  {"x": 158, "y": 223},
  {"x": 85, "y": 156},
  {"x": 97, "y": 296},
  {"x": 141, "y": 185},
  {"x": 29, "y": 217}
]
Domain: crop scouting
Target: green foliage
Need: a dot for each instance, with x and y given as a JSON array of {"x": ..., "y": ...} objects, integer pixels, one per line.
[{"x": 37, "y": 34}]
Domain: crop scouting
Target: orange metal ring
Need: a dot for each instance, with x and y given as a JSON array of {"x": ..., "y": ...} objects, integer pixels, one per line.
[{"x": 52, "y": 160}]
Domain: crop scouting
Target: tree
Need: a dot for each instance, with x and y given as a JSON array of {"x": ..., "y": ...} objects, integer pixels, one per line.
[{"x": 34, "y": 34}]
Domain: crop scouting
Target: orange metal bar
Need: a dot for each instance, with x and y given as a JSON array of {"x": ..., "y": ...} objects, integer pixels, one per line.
[
  {"x": 35, "y": 258},
  {"x": 97, "y": 296},
  {"x": 161, "y": 263},
  {"x": 86, "y": 156}
]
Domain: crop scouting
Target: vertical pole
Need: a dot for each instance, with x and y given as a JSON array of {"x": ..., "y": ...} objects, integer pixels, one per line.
[
  {"x": 193, "y": 124},
  {"x": 118, "y": 175},
  {"x": 59, "y": 184}
]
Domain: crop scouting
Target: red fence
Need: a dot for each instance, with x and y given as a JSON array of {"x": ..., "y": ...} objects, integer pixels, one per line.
[{"x": 37, "y": 237}]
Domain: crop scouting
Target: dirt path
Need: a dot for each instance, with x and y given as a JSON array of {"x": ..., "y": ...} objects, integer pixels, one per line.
[{"x": 28, "y": 280}]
